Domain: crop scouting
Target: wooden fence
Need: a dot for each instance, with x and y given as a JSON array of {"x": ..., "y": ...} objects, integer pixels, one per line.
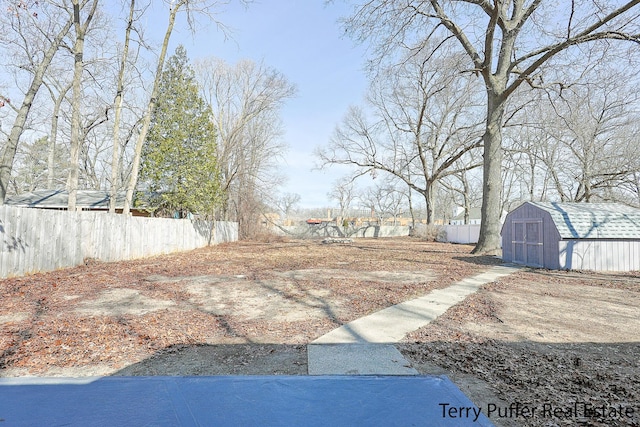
[{"x": 35, "y": 240}]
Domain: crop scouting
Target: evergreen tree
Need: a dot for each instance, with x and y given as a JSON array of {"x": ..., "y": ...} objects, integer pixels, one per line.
[{"x": 179, "y": 167}]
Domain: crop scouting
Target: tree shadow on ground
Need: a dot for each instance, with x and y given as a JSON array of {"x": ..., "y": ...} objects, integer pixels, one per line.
[
  {"x": 375, "y": 245},
  {"x": 588, "y": 275},
  {"x": 487, "y": 260},
  {"x": 222, "y": 359},
  {"x": 558, "y": 375}
]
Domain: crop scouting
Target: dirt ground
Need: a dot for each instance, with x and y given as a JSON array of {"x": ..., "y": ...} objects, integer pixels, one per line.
[
  {"x": 552, "y": 340},
  {"x": 555, "y": 341},
  {"x": 109, "y": 318}
]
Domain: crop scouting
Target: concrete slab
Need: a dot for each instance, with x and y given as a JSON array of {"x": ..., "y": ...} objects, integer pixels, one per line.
[
  {"x": 392, "y": 324},
  {"x": 364, "y": 346},
  {"x": 357, "y": 359}
]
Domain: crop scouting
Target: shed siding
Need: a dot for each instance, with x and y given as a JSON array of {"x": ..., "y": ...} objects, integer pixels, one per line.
[
  {"x": 550, "y": 235},
  {"x": 507, "y": 253},
  {"x": 550, "y": 243},
  {"x": 605, "y": 254},
  {"x": 600, "y": 255}
]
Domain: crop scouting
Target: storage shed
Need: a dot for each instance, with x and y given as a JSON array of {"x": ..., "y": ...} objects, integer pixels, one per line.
[{"x": 573, "y": 236}]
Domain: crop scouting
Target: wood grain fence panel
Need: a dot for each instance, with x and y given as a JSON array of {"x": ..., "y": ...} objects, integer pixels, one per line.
[{"x": 33, "y": 240}]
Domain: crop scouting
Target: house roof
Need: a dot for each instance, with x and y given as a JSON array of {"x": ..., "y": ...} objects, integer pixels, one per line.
[
  {"x": 593, "y": 220},
  {"x": 59, "y": 199},
  {"x": 474, "y": 213}
]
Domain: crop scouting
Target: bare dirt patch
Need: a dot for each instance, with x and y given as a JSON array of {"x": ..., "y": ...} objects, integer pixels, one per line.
[
  {"x": 103, "y": 317},
  {"x": 544, "y": 338},
  {"x": 548, "y": 312},
  {"x": 121, "y": 301},
  {"x": 536, "y": 337},
  {"x": 397, "y": 277}
]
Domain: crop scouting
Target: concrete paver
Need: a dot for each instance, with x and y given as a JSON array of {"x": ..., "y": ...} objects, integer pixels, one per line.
[{"x": 368, "y": 339}]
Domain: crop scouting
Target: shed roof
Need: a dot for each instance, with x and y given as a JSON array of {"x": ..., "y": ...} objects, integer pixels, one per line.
[
  {"x": 593, "y": 220},
  {"x": 59, "y": 199}
]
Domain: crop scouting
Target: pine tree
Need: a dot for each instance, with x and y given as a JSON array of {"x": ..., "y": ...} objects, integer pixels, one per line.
[{"x": 179, "y": 166}]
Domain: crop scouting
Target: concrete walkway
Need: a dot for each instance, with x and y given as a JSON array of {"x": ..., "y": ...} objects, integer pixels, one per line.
[{"x": 365, "y": 346}]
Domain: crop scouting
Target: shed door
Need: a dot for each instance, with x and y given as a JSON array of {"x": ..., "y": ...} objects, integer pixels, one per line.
[{"x": 527, "y": 242}]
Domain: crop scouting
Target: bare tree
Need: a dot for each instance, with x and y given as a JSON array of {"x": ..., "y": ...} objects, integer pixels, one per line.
[
  {"x": 35, "y": 34},
  {"x": 343, "y": 193},
  {"x": 133, "y": 179},
  {"x": 246, "y": 99},
  {"x": 631, "y": 190},
  {"x": 423, "y": 120},
  {"x": 30, "y": 171},
  {"x": 385, "y": 199},
  {"x": 115, "y": 158},
  {"x": 579, "y": 143},
  {"x": 58, "y": 99},
  {"x": 80, "y": 27},
  {"x": 508, "y": 43},
  {"x": 287, "y": 203},
  {"x": 464, "y": 190},
  {"x": 595, "y": 134}
]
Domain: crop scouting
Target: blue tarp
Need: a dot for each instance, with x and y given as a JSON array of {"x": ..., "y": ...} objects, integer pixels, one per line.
[{"x": 236, "y": 401}]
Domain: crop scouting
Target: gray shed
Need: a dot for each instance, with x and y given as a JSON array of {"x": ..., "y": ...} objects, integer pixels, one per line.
[{"x": 573, "y": 236}]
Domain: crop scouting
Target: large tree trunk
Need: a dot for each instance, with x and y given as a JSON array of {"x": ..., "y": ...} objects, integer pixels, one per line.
[
  {"x": 429, "y": 201},
  {"x": 466, "y": 197},
  {"x": 9, "y": 151},
  {"x": 78, "y": 66},
  {"x": 489, "y": 241},
  {"x": 411, "y": 211},
  {"x": 115, "y": 159},
  {"x": 135, "y": 168},
  {"x": 53, "y": 136},
  {"x": 77, "y": 136}
]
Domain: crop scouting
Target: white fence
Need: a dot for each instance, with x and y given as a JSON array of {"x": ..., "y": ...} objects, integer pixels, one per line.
[
  {"x": 34, "y": 240},
  {"x": 325, "y": 230},
  {"x": 462, "y": 233},
  {"x": 446, "y": 233}
]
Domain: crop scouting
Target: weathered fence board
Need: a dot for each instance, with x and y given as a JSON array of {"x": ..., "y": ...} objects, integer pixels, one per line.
[{"x": 33, "y": 240}]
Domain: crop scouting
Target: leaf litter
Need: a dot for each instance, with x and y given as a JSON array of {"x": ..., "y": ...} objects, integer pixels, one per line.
[{"x": 229, "y": 308}]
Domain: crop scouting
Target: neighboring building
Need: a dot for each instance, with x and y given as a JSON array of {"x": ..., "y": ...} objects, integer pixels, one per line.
[
  {"x": 87, "y": 200},
  {"x": 573, "y": 236},
  {"x": 474, "y": 217}
]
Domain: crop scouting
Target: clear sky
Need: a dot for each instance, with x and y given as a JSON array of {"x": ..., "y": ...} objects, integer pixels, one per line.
[{"x": 301, "y": 39}]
